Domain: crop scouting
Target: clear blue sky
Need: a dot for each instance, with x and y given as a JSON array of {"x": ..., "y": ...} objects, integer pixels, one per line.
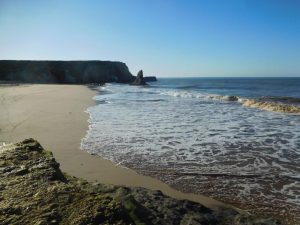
[{"x": 163, "y": 37}]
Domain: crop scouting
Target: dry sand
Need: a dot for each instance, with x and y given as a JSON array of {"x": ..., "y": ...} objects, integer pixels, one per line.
[{"x": 54, "y": 115}]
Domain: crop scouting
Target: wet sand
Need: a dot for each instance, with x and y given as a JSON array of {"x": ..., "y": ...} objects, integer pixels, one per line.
[{"x": 54, "y": 115}]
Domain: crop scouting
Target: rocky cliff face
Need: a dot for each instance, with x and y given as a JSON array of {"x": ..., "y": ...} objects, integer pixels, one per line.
[
  {"x": 64, "y": 72},
  {"x": 33, "y": 190}
]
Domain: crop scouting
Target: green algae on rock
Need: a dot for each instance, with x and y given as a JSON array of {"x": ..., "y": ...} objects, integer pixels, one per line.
[{"x": 33, "y": 190}]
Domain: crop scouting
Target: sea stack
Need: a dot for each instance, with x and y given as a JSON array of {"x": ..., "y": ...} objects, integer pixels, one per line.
[{"x": 139, "y": 80}]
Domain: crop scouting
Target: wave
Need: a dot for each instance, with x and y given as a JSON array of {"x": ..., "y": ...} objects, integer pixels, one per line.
[
  {"x": 101, "y": 101},
  {"x": 149, "y": 100},
  {"x": 187, "y": 94},
  {"x": 231, "y": 98},
  {"x": 187, "y": 87},
  {"x": 272, "y": 106},
  {"x": 140, "y": 92},
  {"x": 180, "y": 94},
  {"x": 281, "y": 99},
  {"x": 281, "y": 104}
]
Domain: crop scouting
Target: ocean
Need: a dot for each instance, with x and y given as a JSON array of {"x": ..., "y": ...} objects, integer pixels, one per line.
[{"x": 234, "y": 139}]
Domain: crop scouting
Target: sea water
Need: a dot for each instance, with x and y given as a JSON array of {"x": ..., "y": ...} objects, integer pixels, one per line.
[{"x": 198, "y": 135}]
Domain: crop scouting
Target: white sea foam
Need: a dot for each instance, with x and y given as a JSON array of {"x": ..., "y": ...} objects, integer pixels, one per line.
[{"x": 189, "y": 132}]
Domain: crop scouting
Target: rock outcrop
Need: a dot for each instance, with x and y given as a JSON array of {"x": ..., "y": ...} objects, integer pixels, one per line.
[
  {"x": 139, "y": 80},
  {"x": 150, "y": 79},
  {"x": 33, "y": 190},
  {"x": 64, "y": 72}
]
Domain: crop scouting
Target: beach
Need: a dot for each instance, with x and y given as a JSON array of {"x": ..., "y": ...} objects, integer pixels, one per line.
[
  {"x": 55, "y": 116},
  {"x": 143, "y": 112}
]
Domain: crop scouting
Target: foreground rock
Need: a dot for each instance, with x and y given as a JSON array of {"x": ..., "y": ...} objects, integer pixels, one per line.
[
  {"x": 33, "y": 190},
  {"x": 139, "y": 80}
]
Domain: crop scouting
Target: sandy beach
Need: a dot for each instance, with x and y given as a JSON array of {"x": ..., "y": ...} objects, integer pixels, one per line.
[{"x": 55, "y": 116}]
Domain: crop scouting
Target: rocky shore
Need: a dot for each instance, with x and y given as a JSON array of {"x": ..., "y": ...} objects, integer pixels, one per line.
[{"x": 33, "y": 190}]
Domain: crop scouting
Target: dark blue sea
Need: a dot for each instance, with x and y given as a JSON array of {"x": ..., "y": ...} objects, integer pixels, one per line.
[
  {"x": 235, "y": 139},
  {"x": 245, "y": 87}
]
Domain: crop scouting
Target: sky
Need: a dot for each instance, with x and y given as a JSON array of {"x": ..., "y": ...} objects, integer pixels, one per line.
[{"x": 162, "y": 37}]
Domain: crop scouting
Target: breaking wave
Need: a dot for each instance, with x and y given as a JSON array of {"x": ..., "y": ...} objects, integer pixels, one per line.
[
  {"x": 272, "y": 106},
  {"x": 225, "y": 97},
  {"x": 269, "y": 103}
]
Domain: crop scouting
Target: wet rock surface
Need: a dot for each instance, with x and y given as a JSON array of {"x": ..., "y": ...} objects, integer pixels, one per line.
[{"x": 33, "y": 190}]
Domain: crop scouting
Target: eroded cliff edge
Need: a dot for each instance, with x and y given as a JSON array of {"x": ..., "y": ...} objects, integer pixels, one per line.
[
  {"x": 33, "y": 190},
  {"x": 64, "y": 72}
]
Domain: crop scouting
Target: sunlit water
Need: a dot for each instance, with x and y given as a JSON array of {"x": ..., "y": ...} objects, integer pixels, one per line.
[{"x": 186, "y": 133}]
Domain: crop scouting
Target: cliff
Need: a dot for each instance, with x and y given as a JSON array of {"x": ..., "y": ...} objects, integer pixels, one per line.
[
  {"x": 33, "y": 190},
  {"x": 64, "y": 72}
]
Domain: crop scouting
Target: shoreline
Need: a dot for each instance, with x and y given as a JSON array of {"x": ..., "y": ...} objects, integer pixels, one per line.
[
  {"x": 55, "y": 115},
  {"x": 46, "y": 195}
]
